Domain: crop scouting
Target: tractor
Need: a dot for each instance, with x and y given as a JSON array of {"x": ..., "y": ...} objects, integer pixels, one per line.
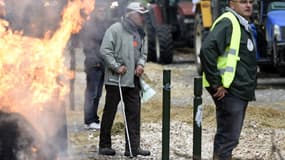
[
  {"x": 270, "y": 29},
  {"x": 169, "y": 25},
  {"x": 267, "y": 24}
]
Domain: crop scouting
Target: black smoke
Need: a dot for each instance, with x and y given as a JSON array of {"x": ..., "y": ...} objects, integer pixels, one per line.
[{"x": 34, "y": 17}]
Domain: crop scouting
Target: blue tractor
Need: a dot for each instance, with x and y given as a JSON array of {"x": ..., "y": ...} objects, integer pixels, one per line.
[{"x": 270, "y": 27}]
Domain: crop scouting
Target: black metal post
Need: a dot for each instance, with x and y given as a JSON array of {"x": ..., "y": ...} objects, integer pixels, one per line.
[
  {"x": 197, "y": 128},
  {"x": 166, "y": 114}
]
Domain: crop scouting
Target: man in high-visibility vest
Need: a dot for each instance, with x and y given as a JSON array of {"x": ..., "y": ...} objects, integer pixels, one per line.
[{"x": 229, "y": 73}]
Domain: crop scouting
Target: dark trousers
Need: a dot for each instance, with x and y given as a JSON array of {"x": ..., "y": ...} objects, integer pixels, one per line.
[
  {"x": 131, "y": 97},
  {"x": 93, "y": 92},
  {"x": 230, "y": 113}
]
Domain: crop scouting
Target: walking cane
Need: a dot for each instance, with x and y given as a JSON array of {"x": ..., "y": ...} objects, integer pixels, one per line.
[{"x": 122, "y": 104}]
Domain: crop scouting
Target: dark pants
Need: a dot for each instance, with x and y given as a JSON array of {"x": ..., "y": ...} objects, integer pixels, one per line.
[
  {"x": 131, "y": 99},
  {"x": 230, "y": 113},
  {"x": 93, "y": 92}
]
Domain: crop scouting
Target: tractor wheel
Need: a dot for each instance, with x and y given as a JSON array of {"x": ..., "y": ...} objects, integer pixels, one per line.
[
  {"x": 160, "y": 45},
  {"x": 200, "y": 33},
  {"x": 198, "y": 40},
  {"x": 150, "y": 40},
  {"x": 276, "y": 59},
  {"x": 275, "y": 56},
  {"x": 164, "y": 44}
]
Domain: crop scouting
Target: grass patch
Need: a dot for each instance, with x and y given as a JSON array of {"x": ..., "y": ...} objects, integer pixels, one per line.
[{"x": 265, "y": 117}]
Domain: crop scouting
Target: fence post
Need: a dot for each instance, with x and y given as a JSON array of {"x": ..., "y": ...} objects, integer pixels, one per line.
[
  {"x": 166, "y": 114},
  {"x": 197, "y": 125}
]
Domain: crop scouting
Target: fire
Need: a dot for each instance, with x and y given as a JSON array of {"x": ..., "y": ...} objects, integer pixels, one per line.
[
  {"x": 33, "y": 74},
  {"x": 32, "y": 70}
]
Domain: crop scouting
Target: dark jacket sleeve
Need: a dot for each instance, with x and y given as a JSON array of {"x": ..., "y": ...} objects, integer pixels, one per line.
[
  {"x": 92, "y": 35},
  {"x": 214, "y": 45}
]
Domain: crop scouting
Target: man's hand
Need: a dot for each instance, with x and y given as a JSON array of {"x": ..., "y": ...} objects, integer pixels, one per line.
[
  {"x": 139, "y": 70},
  {"x": 220, "y": 93},
  {"x": 122, "y": 69}
]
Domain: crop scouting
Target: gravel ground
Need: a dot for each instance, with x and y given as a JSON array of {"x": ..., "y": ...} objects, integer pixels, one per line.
[{"x": 256, "y": 142}]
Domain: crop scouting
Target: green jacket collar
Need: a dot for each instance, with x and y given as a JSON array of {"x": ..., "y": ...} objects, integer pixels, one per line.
[{"x": 241, "y": 20}]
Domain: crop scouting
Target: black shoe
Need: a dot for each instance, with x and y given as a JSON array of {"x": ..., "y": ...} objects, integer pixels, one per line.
[
  {"x": 107, "y": 151},
  {"x": 143, "y": 152},
  {"x": 138, "y": 152},
  {"x": 127, "y": 154}
]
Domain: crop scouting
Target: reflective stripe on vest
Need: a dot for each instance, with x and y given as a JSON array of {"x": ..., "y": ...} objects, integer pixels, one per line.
[{"x": 227, "y": 62}]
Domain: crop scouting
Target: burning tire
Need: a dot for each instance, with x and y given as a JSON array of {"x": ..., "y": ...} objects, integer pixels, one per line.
[{"x": 19, "y": 140}]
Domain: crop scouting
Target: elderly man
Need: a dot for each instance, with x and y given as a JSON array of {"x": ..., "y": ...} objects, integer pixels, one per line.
[
  {"x": 229, "y": 66},
  {"x": 124, "y": 52}
]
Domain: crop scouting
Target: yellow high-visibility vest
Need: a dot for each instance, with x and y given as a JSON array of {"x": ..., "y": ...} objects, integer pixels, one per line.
[{"x": 227, "y": 63}]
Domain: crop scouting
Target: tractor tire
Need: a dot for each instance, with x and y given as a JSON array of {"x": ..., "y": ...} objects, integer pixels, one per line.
[
  {"x": 276, "y": 59},
  {"x": 150, "y": 40},
  {"x": 164, "y": 44},
  {"x": 198, "y": 34}
]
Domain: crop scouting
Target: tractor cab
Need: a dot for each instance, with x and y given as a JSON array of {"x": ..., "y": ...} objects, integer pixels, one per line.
[
  {"x": 275, "y": 21},
  {"x": 271, "y": 35}
]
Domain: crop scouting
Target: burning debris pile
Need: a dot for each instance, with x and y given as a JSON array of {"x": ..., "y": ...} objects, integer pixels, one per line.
[
  {"x": 18, "y": 140},
  {"x": 33, "y": 75}
]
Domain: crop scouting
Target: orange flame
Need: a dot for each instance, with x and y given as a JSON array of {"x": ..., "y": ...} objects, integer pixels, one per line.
[
  {"x": 33, "y": 74},
  {"x": 32, "y": 70}
]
